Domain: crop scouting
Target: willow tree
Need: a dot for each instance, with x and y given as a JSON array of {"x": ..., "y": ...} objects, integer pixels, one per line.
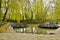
[
  {"x": 50, "y": 10},
  {"x": 40, "y": 10},
  {"x": 57, "y": 10},
  {"x": 33, "y": 9},
  {"x": 15, "y": 7},
  {"x": 0, "y": 8},
  {"x": 6, "y": 8},
  {"x": 23, "y": 9},
  {"x": 28, "y": 10},
  {"x": 13, "y": 11}
]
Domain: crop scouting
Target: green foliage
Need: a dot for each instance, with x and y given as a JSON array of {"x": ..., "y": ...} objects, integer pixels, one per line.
[
  {"x": 40, "y": 13},
  {"x": 26, "y": 13},
  {"x": 14, "y": 14},
  {"x": 57, "y": 12}
]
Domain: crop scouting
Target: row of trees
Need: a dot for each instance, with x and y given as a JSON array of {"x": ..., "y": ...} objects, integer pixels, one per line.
[
  {"x": 23, "y": 9},
  {"x": 30, "y": 10}
]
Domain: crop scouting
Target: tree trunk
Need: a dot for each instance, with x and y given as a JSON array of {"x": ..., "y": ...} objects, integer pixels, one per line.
[{"x": 4, "y": 17}]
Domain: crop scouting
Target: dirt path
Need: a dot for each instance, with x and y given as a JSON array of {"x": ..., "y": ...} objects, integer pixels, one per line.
[
  {"x": 23, "y": 36},
  {"x": 57, "y": 31}
]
